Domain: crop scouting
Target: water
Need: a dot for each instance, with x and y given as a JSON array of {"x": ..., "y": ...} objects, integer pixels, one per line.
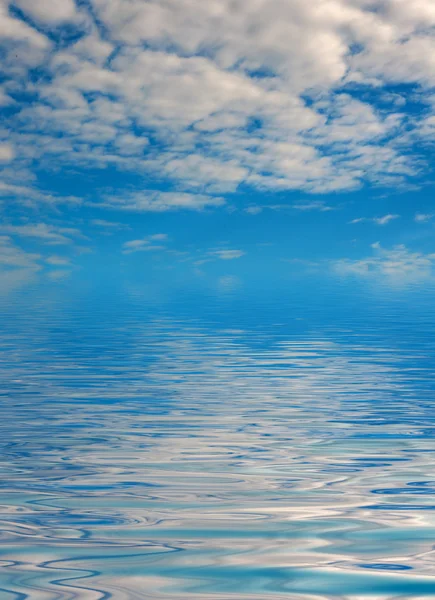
[{"x": 216, "y": 448}]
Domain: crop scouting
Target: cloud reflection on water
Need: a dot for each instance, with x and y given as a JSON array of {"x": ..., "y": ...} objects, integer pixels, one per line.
[{"x": 165, "y": 458}]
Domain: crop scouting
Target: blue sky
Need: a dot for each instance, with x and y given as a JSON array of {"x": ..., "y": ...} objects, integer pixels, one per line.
[{"x": 220, "y": 140}]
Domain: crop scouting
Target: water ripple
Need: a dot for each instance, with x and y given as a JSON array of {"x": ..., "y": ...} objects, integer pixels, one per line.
[{"x": 165, "y": 458}]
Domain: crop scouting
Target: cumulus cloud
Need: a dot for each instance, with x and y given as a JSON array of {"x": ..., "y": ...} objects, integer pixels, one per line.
[
  {"x": 50, "y": 12},
  {"x": 212, "y": 95},
  {"x": 16, "y": 30}
]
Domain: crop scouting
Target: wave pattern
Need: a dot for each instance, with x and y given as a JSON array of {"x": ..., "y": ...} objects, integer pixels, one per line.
[{"x": 168, "y": 459}]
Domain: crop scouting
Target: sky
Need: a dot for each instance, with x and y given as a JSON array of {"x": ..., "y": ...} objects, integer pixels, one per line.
[{"x": 220, "y": 141}]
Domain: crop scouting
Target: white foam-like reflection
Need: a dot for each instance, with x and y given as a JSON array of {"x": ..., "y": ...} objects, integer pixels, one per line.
[{"x": 166, "y": 460}]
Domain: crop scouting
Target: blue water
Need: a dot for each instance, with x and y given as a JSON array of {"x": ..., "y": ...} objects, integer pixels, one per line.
[{"x": 216, "y": 447}]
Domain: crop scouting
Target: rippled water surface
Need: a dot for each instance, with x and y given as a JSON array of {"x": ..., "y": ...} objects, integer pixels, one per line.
[{"x": 233, "y": 452}]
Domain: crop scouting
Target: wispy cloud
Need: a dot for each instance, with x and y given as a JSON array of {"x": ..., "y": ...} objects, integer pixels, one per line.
[
  {"x": 318, "y": 205},
  {"x": 377, "y": 220},
  {"x": 109, "y": 225},
  {"x": 228, "y": 283},
  {"x": 306, "y": 206},
  {"x": 57, "y": 261},
  {"x": 59, "y": 274},
  {"x": 155, "y": 201},
  {"x": 219, "y": 254},
  {"x": 423, "y": 217},
  {"x": 254, "y": 210},
  {"x": 29, "y": 196},
  {"x": 146, "y": 244},
  {"x": 49, "y": 234},
  {"x": 11, "y": 256},
  {"x": 227, "y": 254}
]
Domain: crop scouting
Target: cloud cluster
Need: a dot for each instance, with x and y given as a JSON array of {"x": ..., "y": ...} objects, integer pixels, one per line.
[
  {"x": 207, "y": 96},
  {"x": 397, "y": 265},
  {"x": 19, "y": 265}
]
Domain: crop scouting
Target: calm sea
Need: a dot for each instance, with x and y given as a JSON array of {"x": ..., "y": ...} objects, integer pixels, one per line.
[{"x": 235, "y": 445}]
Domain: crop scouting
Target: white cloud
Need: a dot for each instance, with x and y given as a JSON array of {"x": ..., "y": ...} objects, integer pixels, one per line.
[
  {"x": 423, "y": 217},
  {"x": 12, "y": 279},
  {"x": 146, "y": 244},
  {"x": 227, "y": 254},
  {"x": 15, "y": 29},
  {"x": 221, "y": 88},
  {"x": 377, "y": 220},
  {"x": 57, "y": 261},
  {"x": 49, "y": 11},
  {"x": 318, "y": 205},
  {"x": 398, "y": 265},
  {"x": 11, "y": 256},
  {"x": 254, "y": 210},
  {"x": 302, "y": 206},
  {"x": 6, "y": 153},
  {"x": 154, "y": 201},
  {"x": 385, "y": 219},
  {"x": 58, "y": 274},
  {"x": 228, "y": 283},
  {"x": 49, "y": 234},
  {"x": 212, "y": 95},
  {"x": 5, "y": 99},
  {"x": 31, "y": 196},
  {"x": 108, "y": 224}
]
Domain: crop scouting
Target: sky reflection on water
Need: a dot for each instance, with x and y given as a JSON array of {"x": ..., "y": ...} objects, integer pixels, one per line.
[{"x": 213, "y": 453}]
